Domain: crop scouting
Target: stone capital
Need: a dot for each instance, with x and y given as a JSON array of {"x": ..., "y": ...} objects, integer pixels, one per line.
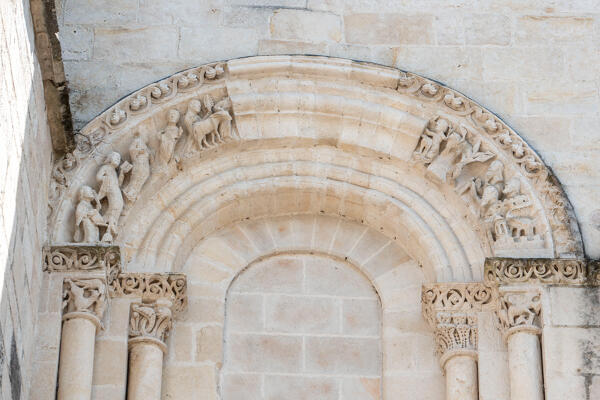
[
  {"x": 556, "y": 271},
  {"x": 150, "y": 323},
  {"x": 451, "y": 311},
  {"x": 152, "y": 287},
  {"x": 84, "y": 298},
  {"x": 76, "y": 259},
  {"x": 519, "y": 311}
]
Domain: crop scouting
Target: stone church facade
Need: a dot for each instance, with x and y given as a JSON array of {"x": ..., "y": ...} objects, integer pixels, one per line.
[{"x": 297, "y": 199}]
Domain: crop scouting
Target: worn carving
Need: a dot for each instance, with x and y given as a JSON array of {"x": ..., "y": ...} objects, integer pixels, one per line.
[
  {"x": 453, "y": 297},
  {"x": 151, "y": 287},
  {"x": 455, "y": 332},
  {"x": 77, "y": 258},
  {"x": 150, "y": 321},
  {"x": 557, "y": 207},
  {"x": 84, "y": 296},
  {"x": 87, "y": 216},
  {"x": 542, "y": 270},
  {"x": 140, "y": 168},
  {"x": 110, "y": 189},
  {"x": 168, "y": 139},
  {"x": 446, "y": 150},
  {"x": 452, "y": 158},
  {"x": 519, "y": 310}
]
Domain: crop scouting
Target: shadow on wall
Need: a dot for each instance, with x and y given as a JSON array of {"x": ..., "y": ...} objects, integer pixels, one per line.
[{"x": 25, "y": 163}]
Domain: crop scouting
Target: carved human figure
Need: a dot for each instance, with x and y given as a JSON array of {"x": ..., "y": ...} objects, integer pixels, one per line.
[
  {"x": 140, "y": 171},
  {"x": 431, "y": 140},
  {"x": 440, "y": 168},
  {"x": 87, "y": 217},
  {"x": 110, "y": 188},
  {"x": 192, "y": 114},
  {"x": 168, "y": 138}
]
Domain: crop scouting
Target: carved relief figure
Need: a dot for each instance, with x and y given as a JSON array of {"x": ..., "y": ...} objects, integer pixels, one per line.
[
  {"x": 214, "y": 128},
  {"x": 168, "y": 138},
  {"x": 140, "y": 170},
  {"x": 441, "y": 166},
  {"x": 192, "y": 114},
  {"x": 110, "y": 188},
  {"x": 87, "y": 217},
  {"x": 429, "y": 145},
  {"x": 84, "y": 295}
]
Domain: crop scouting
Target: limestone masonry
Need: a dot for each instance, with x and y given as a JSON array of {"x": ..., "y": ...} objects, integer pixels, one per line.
[{"x": 298, "y": 199}]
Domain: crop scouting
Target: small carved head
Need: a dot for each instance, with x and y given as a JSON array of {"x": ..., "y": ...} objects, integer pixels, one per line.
[
  {"x": 490, "y": 125},
  {"x": 113, "y": 158},
  {"x": 86, "y": 193},
  {"x": 173, "y": 116},
  {"x": 429, "y": 89},
  {"x": 195, "y": 106}
]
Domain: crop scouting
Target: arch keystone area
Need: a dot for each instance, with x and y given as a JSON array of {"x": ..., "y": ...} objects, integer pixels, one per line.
[{"x": 262, "y": 136}]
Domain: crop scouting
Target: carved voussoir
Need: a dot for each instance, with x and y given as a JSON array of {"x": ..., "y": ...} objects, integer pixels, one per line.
[
  {"x": 576, "y": 272},
  {"x": 74, "y": 258},
  {"x": 152, "y": 287}
]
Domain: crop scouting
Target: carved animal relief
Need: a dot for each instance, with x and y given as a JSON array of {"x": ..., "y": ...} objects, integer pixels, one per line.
[
  {"x": 84, "y": 296},
  {"x": 150, "y": 321}
]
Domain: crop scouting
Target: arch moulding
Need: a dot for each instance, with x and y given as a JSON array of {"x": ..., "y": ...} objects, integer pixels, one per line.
[{"x": 426, "y": 166}]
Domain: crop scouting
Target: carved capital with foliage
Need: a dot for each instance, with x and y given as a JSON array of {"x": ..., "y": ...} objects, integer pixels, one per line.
[{"x": 150, "y": 322}]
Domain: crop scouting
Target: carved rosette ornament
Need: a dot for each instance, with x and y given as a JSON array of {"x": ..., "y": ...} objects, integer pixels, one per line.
[
  {"x": 519, "y": 311},
  {"x": 84, "y": 298},
  {"x": 150, "y": 322},
  {"x": 542, "y": 270}
]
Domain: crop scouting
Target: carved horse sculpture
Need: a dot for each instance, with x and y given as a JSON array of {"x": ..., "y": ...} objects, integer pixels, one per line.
[{"x": 212, "y": 130}]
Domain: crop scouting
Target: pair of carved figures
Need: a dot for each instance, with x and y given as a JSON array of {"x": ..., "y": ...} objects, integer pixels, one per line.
[
  {"x": 111, "y": 177},
  {"x": 446, "y": 152},
  {"x": 206, "y": 124}
]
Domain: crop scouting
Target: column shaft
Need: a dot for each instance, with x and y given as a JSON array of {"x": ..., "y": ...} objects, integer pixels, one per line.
[
  {"x": 145, "y": 371},
  {"x": 76, "y": 359},
  {"x": 461, "y": 378},
  {"x": 525, "y": 362}
]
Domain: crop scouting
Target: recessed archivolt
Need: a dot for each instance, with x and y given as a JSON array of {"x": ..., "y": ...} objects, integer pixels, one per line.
[{"x": 377, "y": 131}]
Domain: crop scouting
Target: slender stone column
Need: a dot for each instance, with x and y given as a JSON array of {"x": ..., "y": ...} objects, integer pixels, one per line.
[
  {"x": 519, "y": 317},
  {"x": 84, "y": 304},
  {"x": 456, "y": 339},
  {"x": 148, "y": 329}
]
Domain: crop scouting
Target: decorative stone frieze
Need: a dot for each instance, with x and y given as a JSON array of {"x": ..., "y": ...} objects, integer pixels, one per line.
[
  {"x": 519, "y": 310},
  {"x": 455, "y": 297},
  {"x": 542, "y": 270},
  {"x": 150, "y": 322},
  {"x": 84, "y": 298},
  {"x": 75, "y": 258},
  {"x": 152, "y": 287}
]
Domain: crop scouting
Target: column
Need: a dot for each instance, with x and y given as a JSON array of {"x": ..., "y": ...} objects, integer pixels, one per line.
[
  {"x": 149, "y": 326},
  {"x": 456, "y": 340},
  {"x": 519, "y": 314},
  {"x": 84, "y": 304}
]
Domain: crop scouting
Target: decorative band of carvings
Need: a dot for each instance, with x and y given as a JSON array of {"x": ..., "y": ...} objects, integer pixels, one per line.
[
  {"x": 81, "y": 258},
  {"x": 446, "y": 297},
  {"x": 152, "y": 287},
  {"x": 542, "y": 270}
]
